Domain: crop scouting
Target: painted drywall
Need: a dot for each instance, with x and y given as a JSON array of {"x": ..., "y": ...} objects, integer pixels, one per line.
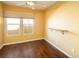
[
  {"x": 38, "y": 24},
  {"x": 65, "y": 16},
  {"x": 1, "y": 24}
]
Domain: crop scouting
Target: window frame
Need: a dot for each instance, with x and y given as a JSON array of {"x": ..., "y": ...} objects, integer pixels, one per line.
[
  {"x": 21, "y": 29},
  {"x": 6, "y": 30},
  {"x": 32, "y": 27}
]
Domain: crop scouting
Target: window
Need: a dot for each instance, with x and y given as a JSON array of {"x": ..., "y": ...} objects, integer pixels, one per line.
[
  {"x": 13, "y": 25},
  {"x": 28, "y": 25}
]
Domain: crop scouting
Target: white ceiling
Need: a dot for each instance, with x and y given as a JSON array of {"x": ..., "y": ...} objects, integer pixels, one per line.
[{"x": 39, "y": 5}]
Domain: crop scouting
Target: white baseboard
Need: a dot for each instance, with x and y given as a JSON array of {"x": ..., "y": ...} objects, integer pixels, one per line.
[
  {"x": 1, "y": 47},
  {"x": 23, "y": 41},
  {"x": 58, "y": 48}
]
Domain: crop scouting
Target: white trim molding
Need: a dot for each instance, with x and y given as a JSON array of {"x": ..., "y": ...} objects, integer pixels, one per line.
[
  {"x": 58, "y": 48},
  {"x": 1, "y": 46},
  {"x": 23, "y": 41}
]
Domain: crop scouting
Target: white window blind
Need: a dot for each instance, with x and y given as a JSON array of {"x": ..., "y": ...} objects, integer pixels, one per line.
[
  {"x": 13, "y": 25},
  {"x": 13, "y": 22},
  {"x": 28, "y": 25}
]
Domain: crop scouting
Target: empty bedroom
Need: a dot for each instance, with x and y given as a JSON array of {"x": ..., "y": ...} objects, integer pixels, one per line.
[{"x": 39, "y": 29}]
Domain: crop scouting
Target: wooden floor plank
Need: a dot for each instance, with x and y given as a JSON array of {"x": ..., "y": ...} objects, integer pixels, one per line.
[{"x": 35, "y": 49}]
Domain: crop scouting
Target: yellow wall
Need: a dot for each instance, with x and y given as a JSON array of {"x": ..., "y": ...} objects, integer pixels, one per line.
[
  {"x": 38, "y": 26},
  {"x": 64, "y": 15},
  {"x": 1, "y": 24}
]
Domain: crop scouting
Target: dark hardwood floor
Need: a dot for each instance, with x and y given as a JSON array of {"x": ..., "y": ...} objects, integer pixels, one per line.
[{"x": 34, "y": 49}]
